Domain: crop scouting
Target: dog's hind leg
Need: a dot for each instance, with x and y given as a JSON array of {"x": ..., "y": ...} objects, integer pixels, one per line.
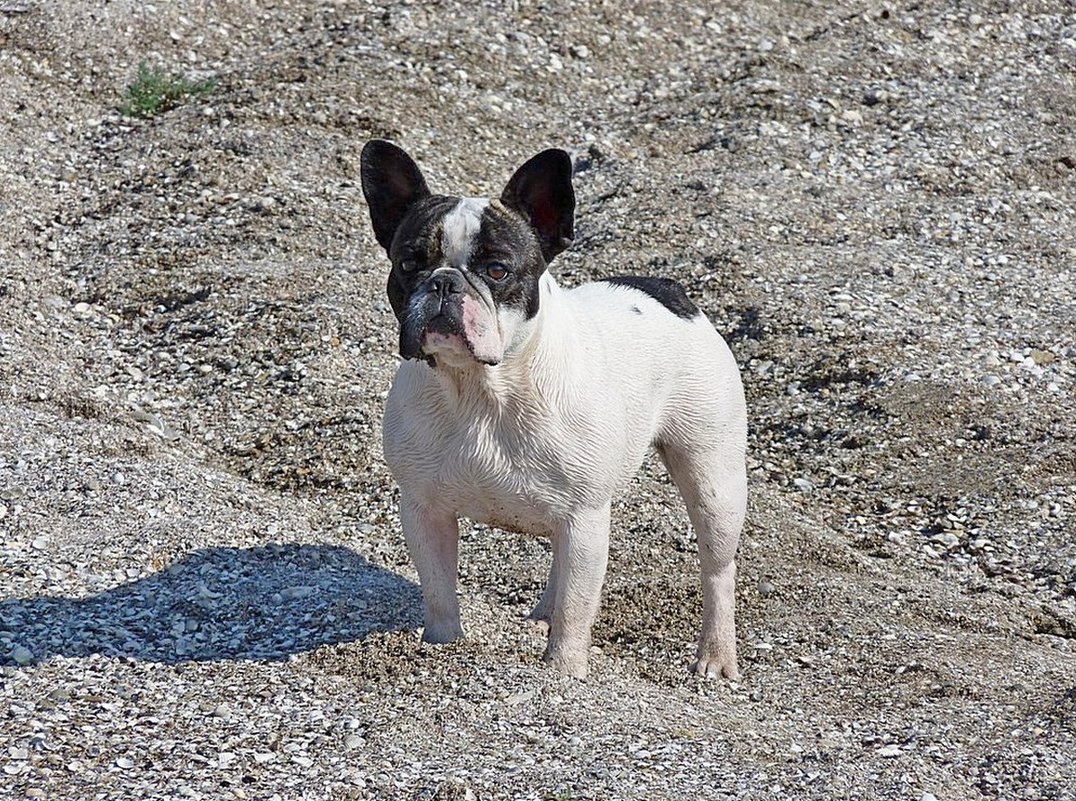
[{"x": 714, "y": 487}]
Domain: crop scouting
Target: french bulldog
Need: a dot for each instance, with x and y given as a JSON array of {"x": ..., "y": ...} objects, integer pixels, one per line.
[{"x": 527, "y": 406}]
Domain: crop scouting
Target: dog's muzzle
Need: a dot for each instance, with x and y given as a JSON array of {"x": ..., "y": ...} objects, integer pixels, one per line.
[{"x": 436, "y": 306}]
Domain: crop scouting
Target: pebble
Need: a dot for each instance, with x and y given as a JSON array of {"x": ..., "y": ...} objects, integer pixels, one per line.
[
  {"x": 12, "y": 492},
  {"x": 803, "y": 484},
  {"x": 766, "y": 588},
  {"x": 946, "y": 538},
  {"x": 296, "y": 593},
  {"x": 889, "y": 751},
  {"x": 22, "y": 655},
  {"x": 353, "y": 741},
  {"x": 263, "y": 204}
]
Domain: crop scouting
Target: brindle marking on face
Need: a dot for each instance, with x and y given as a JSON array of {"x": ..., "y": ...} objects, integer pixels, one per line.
[
  {"x": 507, "y": 239},
  {"x": 501, "y": 236},
  {"x": 416, "y": 245}
]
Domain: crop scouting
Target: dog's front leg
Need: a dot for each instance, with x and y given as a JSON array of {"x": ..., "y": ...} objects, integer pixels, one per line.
[
  {"x": 542, "y": 614},
  {"x": 581, "y": 551},
  {"x": 433, "y": 542}
]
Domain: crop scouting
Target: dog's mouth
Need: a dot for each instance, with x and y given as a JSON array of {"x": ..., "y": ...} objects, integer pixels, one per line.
[
  {"x": 442, "y": 323},
  {"x": 441, "y": 340},
  {"x": 447, "y": 331}
]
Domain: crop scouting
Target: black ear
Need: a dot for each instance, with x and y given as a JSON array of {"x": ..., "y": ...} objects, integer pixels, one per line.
[
  {"x": 392, "y": 183},
  {"x": 541, "y": 190}
]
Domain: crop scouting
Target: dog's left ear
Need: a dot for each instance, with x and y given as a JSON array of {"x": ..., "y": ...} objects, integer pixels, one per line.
[
  {"x": 392, "y": 184},
  {"x": 541, "y": 191}
]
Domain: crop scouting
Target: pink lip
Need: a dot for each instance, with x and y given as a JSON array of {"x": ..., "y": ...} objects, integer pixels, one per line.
[{"x": 480, "y": 331}]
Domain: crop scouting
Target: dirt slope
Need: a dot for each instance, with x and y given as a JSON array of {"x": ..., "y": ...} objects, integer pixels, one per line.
[{"x": 203, "y": 588}]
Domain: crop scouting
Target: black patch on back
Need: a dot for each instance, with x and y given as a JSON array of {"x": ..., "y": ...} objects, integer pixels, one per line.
[{"x": 664, "y": 290}]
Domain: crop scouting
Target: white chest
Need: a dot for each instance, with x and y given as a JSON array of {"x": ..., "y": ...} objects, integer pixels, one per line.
[{"x": 482, "y": 469}]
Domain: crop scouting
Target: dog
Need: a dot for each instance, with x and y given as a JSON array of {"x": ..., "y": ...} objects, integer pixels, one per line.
[{"x": 527, "y": 406}]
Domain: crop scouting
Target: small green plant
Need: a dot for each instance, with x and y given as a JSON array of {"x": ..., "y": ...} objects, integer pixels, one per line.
[{"x": 155, "y": 90}]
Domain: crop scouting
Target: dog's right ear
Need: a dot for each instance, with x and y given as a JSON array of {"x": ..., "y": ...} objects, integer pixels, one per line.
[
  {"x": 392, "y": 183},
  {"x": 541, "y": 191}
]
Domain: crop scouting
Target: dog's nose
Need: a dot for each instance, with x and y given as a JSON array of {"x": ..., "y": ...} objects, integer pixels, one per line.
[{"x": 446, "y": 284}]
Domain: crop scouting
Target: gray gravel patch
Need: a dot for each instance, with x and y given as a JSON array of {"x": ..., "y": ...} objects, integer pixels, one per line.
[{"x": 203, "y": 588}]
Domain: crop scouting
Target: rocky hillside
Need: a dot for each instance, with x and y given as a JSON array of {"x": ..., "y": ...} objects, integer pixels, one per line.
[{"x": 203, "y": 588}]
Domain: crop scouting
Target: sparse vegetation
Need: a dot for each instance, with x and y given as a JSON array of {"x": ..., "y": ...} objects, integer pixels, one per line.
[{"x": 154, "y": 90}]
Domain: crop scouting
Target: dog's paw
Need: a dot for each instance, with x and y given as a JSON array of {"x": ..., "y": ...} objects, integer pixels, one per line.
[
  {"x": 714, "y": 661},
  {"x": 567, "y": 662},
  {"x": 439, "y": 633}
]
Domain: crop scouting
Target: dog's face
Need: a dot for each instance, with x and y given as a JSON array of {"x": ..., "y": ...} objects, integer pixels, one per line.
[{"x": 465, "y": 271}]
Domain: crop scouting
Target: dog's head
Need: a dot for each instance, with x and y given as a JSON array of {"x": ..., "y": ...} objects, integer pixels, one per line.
[{"x": 465, "y": 271}]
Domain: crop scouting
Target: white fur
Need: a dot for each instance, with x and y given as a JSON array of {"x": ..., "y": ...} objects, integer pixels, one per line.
[
  {"x": 460, "y": 228},
  {"x": 540, "y": 443}
]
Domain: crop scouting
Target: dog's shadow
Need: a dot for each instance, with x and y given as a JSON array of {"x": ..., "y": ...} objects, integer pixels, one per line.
[{"x": 262, "y": 603}]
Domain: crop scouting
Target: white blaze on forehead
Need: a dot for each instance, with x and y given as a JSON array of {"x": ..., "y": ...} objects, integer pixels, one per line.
[{"x": 459, "y": 229}]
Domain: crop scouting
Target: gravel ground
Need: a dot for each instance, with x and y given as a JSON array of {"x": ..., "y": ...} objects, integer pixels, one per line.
[{"x": 203, "y": 588}]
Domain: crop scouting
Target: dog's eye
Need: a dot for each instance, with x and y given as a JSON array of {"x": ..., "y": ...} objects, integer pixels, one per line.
[
  {"x": 408, "y": 265},
  {"x": 497, "y": 271}
]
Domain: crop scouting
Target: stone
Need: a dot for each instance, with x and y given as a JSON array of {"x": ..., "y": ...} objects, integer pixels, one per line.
[{"x": 22, "y": 655}]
